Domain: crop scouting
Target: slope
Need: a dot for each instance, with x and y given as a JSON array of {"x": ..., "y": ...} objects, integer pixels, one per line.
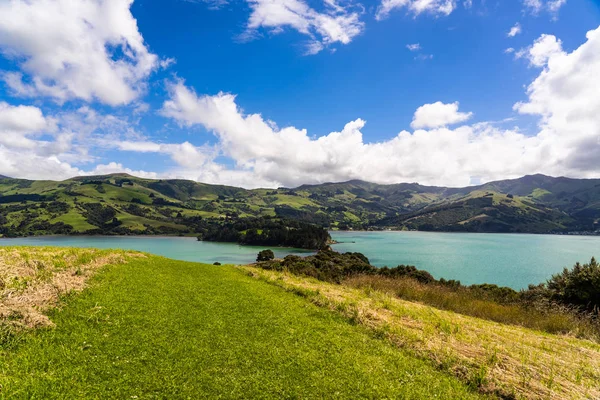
[
  {"x": 159, "y": 328},
  {"x": 123, "y": 204}
]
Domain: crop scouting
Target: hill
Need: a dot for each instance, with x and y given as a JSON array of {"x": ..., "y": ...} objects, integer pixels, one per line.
[
  {"x": 150, "y": 327},
  {"x": 133, "y": 325},
  {"x": 123, "y": 204}
]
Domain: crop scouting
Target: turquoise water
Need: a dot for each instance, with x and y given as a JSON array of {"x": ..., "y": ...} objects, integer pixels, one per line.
[
  {"x": 504, "y": 259},
  {"x": 179, "y": 248}
]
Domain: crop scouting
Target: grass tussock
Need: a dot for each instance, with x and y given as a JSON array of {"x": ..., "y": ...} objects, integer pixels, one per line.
[
  {"x": 34, "y": 279},
  {"x": 504, "y": 360},
  {"x": 547, "y": 317}
]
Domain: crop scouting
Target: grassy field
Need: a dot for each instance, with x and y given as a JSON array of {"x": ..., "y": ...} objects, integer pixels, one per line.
[
  {"x": 150, "y": 327},
  {"x": 504, "y": 360}
]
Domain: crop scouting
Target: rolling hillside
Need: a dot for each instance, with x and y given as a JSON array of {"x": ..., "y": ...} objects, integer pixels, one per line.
[
  {"x": 123, "y": 204},
  {"x": 141, "y": 326},
  {"x": 89, "y": 323}
]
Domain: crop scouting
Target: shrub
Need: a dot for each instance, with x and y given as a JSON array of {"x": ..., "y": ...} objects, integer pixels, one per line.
[
  {"x": 265, "y": 255},
  {"x": 579, "y": 286}
]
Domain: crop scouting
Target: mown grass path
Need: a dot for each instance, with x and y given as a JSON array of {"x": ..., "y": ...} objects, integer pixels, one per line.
[{"x": 159, "y": 328}]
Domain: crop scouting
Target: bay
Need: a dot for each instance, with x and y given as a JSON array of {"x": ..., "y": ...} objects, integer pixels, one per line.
[
  {"x": 513, "y": 260},
  {"x": 178, "y": 248}
]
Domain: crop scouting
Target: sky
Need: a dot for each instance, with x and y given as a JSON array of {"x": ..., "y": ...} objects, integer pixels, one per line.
[{"x": 270, "y": 93}]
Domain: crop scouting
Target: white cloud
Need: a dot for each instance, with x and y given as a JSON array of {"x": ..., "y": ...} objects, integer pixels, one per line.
[
  {"x": 22, "y": 119},
  {"x": 435, "y": 7},
  {"x": 555, "y": 5},
  {"x": 551, "y": 6},
  {"x": 533, "y": 5},
  {"x": 544, "y": 48},
  {"x": 22, "y": 151},
  {"x": 167, "y": 62},
  {"x": 113, "y": 167},
  {"x": 514, "y": 31},
  {"x": 413, "y": 47},
  {"x": 335, "y": 24},
  {"x": 509, "y": 50},
  {"x": 438, "y": 114},
  {"x": 289, "y": 156},
  {"x": 36, "y": 146},
  {"x": 184, "y": 154},
  {"x": 564, "y": 96},
  {"x": 68, "y": 49}
]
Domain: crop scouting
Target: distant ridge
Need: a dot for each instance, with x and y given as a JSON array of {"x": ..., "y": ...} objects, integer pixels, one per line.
[{"x": 125, "y": 204}]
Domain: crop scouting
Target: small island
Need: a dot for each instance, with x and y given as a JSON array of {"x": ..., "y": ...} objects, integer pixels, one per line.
[{"x": 266, "y": 231}]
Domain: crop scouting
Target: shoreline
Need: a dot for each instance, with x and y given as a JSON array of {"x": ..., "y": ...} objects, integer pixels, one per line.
[
  {"x": 469, "y": 233},
  {"x": 333, "y": 242}
]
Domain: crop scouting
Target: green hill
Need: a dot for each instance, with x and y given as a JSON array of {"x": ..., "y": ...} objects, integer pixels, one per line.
[
  {"x": 149, "y": 327},
  {"x": 123, "y": 204},
  {"x": 88, "y": 323}
]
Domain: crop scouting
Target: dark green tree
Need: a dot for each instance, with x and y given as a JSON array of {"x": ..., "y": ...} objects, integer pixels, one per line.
[
  {"x": 265, "y": 255},
  {"x": 578, "y": 286}
]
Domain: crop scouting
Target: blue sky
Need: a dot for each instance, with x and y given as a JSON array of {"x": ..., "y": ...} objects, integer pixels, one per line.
[{"x": 226, "y": 92}]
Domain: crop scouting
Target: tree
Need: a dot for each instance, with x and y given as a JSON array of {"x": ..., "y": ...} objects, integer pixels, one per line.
[
  {"x": 265, "y": 255},
  {"x": 578, "y": 286}
]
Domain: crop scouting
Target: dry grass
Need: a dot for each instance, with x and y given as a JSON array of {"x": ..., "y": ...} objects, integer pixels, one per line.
[
  {"x": 545, "y": 317},
  {"x": 504, "y": 360},
  {"x": 34, "y": 279}
]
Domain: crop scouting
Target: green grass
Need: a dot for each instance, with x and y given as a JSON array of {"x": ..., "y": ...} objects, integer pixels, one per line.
[
  {"x": 508, "y": 361},
  {"x": 159, "y": 328},
  {"x": 539, "y": 193},
  {"x": 137, "y": 222},
  {"x": 75, "y": 219},
  {"x": 293, "y": 201}
]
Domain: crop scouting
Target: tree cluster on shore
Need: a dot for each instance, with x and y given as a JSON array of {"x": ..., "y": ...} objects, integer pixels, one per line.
[{"x": 267, "y": 232}]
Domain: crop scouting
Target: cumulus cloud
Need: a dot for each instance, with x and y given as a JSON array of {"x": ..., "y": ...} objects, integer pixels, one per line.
[
  {"x": 544, "y": 48},
  {"x": 413, "y": 47},
  {"x": 435, "y": 7},
  {"x": 184, "y": 154},
  {"x": 289, "y": 156},
  {"x": 113, "y": 167},
  {"x": 19, "y": 123},
  {"x": 563, "y": 96},
  {"x": 36, "y": 146},
  {"x": 438, "y": 114},
  {"x": 22, "y": 151},
  {"x": 334, "y": 24},
  {"x": 514, "y": 31},
  {"x": 69, "y": 50}
]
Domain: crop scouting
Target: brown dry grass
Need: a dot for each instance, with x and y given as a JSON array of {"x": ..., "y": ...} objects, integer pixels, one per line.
[
  {"x": 32, "y": 280},
  {"x": 551, "y": 318},
  {"x": 504, "y": 360}
]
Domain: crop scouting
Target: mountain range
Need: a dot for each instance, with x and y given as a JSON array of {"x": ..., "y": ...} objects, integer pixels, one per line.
[{"x": 124, "y": 204}]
